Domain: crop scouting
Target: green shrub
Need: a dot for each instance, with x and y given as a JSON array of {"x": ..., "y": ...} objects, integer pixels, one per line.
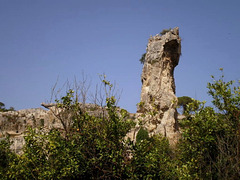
[
  {"x": 143, "y": 58},
  {"x": 184, "y": 101},
  {"x": 88, "y": 148},
  {"x": 142, "y": 135},
  {"x": 210, "y": 137},
  {"x": 95, "y": 147},
  {"x": 152, "y": 159},
  {"x": 164, "y": 31},
  {"x": 6, "y": 156}
]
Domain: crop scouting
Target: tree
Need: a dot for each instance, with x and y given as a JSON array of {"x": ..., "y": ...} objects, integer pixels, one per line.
[
  {"x": 2, "y": 107},
  {"x": 209, "y": 148},
  {"x": 95, "y": 147},
  {"x": 184, "y": 101},
  {"x": 152, "y": 159},
  {"x": 89, "y": 147},
  {"x": 6, "y": 156}
]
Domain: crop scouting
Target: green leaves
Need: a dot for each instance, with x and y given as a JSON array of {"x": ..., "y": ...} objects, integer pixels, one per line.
[
  {"x": 152, "y": 159},
  {"x": 4, "y": 109},
  {"x": 142, "y": 135},
  {"x": 210, "y": 136},
  {"x": 6, "y": 156},
  {"x": 184, "y": 101},
  {"x": 143, "y": 58},
  {"x": 90, "y": 147},
  {"x": 164, "y": 31},
  {"x": 86, "y": 147}
]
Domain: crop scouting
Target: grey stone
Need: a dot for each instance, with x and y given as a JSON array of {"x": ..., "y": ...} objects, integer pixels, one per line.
[{"x": 158, "y": 86}]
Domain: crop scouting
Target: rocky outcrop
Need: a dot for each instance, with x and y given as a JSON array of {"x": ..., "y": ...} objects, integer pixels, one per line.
[
  {"x": 157, "y": 109},
  {"x": 15, "y": 123}
]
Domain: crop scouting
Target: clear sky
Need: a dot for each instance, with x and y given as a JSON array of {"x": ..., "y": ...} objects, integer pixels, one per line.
[{"x": 45, "y": 40}]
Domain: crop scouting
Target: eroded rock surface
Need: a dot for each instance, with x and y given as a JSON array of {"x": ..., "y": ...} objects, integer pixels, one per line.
[
  {"x": 157, "y": 109},
  {"x": 16, "y": 123}
]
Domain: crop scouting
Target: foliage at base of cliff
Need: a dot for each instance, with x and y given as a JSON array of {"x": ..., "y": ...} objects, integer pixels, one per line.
[{"x": 96, "y": 148}]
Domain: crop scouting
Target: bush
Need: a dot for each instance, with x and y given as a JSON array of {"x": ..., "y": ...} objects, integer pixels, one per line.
[
  {"x": 92, "y": 147},
  {"x": 184, "y": 101},
  {"x": 209, "y": 148},
  {"x": 152, "y": 159},
  {"x": 143, "y": 58},
  {"x": 164, "y": 31},
  {"x": 6, "y": 156},
  {"x": 3, "y": 109},
  {"x": 142, "y": 135},
  {"x": 88, "y": 148}
]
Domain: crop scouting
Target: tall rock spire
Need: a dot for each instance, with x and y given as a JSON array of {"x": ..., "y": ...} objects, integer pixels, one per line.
[{"x": 157, "y": 108}]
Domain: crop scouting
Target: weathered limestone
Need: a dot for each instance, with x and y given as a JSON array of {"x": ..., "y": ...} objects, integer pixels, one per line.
[
  {"x": 157, "y": 109},
  {"x": 15, "y": 124}
]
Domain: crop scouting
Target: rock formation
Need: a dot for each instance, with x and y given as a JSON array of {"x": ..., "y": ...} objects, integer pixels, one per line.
[
  {"x": 157, "y": 109},
  {"x": 15, "y": 124}
]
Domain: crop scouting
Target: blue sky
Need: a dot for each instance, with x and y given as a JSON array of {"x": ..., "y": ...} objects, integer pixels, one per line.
[{"x": 45, "y": 40}]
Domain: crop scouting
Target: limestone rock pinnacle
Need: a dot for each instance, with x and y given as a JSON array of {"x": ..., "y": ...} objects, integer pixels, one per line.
[{"x": 157, "y": 108}]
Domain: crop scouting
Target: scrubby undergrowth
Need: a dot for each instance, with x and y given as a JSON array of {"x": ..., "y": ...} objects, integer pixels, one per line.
[{"x": 96, "y": 148}]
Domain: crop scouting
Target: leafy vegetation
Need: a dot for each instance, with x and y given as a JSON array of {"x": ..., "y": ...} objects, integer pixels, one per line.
[
  {"x": 184, "y": 101},
  {"x": 152, "y": 159},
  {"x": 6, "y": 156},
  {"x": 92, "y": 147},
  {"x": 142, "y": 135},
  {"x": 143, "y": 58},
  {"x": 4, "y": 109},
  {"x": 209, "y": 148},
  {"x": 164, "y": 31}
]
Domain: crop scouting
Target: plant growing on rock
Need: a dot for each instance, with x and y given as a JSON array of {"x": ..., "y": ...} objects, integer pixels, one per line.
[
  {"x": 143, "y": 58},
  {"x": 164, "y": 31}
]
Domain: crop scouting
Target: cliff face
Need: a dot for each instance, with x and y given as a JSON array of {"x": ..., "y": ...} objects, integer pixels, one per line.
[{"x": 157, "y": 109}]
